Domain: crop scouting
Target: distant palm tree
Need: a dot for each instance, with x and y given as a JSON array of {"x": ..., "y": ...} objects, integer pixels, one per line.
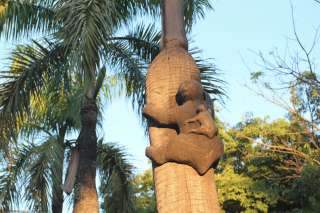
[{"x": 37, "y": 166}]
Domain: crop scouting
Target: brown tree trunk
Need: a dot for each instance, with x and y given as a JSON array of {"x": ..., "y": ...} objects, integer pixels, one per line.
[
  {"x": 86, "y": 198},
  {"x": 173, "y": 27},
  {"x": 178, "y": 187},
  {"x": 57, "y": 198}
]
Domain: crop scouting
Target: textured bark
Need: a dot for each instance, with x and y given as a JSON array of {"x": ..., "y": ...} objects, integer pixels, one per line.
[
  {"x": 196, "y": 142},
  {"x": 86, "y": 198},
  {"x": 173, "y": 31},
  {"x": 57, "y": 197},
  {"x": 178, "y": 187}
]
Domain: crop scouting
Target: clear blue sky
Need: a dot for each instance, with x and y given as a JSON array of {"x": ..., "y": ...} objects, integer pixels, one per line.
[{"x": 227, "y": 35}]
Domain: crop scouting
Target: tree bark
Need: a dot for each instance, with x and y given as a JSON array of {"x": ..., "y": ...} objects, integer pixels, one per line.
[
  {"x": 173, "y": 26},
  {"x": 57, "y": 198},
  {"x": 178, "y": 187},
  {"x": 86, "y": 198}
]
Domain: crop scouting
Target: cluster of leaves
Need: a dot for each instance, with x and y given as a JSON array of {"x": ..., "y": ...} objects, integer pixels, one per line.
[
  {"x": 266, "y": 165},
  {"x": 144, "y": 192}
]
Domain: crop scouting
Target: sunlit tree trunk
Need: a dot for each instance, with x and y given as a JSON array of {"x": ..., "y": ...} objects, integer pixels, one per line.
[
  {"x": 86, "y": 198},
  {"x": 178, "y": 187}
]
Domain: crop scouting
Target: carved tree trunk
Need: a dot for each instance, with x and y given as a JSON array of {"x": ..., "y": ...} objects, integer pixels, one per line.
[
  {"x": 86, "y": 198},
  {"x": 178, "y": 187}
]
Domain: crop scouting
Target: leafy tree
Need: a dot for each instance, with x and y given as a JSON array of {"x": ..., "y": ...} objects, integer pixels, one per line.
[
  {"x": 260, "y": 173},
  {"x": 144, "y": 192},
  {"x": 37, "y": 164}
]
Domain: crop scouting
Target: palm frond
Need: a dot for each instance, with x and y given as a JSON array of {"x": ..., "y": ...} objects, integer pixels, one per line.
[
  {"x": 86, "y": 25},
  {"x": 194, "y": 10},
  {"x": 20, "y": 18},
  {"x": 128, "y": 67},
  {"x": 209, "y": 74},
  {"x": 41, "y": 164},
  {"x": 115, "y": 175},
  {"x": 32, "y": 65},
  {"x": 130, "y": 55},
  {"x": 143, "y": 41},
  {"x": 9, "y": 194},
  {"x": 31, "y": 171}
]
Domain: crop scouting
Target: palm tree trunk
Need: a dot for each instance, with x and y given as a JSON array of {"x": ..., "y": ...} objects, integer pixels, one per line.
[
  {"x": 178, "y": 187},
  {"x": 57, "y": 198},
  {"x": 173, "y": 26},
  {"x": 86, "y": 197}
]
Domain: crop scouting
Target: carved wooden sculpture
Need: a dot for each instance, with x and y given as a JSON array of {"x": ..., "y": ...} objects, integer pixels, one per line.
[
  {"x": 196, "y": 143},
  {"x": 171, "y": 103}
]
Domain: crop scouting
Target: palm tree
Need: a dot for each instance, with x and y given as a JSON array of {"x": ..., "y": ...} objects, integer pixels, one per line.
[
  {"x": 178, "y": 187},
  {"x": 87, "y": 30},
  {"x": 17, "y": 102},
  {"x": 39, "y": 164}
]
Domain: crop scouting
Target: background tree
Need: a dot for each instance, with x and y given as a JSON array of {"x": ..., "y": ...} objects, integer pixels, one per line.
[
  {"x": 144, "y": 192},
  {"x": 36, "y": 163}
]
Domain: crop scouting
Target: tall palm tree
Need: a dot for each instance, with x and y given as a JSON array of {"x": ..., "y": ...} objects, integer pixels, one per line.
[
  {"x": 39, "y": 164},
  {"x": 88, "y": 29},
  {"x": 178, "y": 187},
  {"x": 119, "y": 54}
]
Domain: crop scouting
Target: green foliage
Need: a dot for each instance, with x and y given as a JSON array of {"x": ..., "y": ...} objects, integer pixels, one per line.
[
  {"x": 268, "y": 167},
  {"x": 305, "y": 191},
  {"x": 22, "y": 18},
  {"x": 31, "y": 168},
  {"x": 238, "y": 192},
  {"x": 115, "y": 174},
  {"x": 144, "y": 192}
]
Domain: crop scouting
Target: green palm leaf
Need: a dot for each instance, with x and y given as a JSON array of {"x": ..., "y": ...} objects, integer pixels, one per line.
[
  {"x": 210, "y": 76},
  {"x": 86, "y": 25},
  {"x": 32, "y": 168},
  {"x": 115, "y": 174},
  {"x": 143, "y": 41},
  {"x": 21, "y": 18},
  {"x": 194, "y": 10},
  {"x": 32, "y": 65}
]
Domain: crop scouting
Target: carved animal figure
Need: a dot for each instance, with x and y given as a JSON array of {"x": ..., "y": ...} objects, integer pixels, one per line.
[{"x": 195, "y": 143}]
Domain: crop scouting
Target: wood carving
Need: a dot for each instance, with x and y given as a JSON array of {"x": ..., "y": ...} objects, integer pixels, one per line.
[
  {"x": 178, "y": 187},
  {"x": 195, "y": 142}
]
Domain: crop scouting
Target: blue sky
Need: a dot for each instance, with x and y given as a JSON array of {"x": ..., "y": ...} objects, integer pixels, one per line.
[{"x": 229, "y": 35}]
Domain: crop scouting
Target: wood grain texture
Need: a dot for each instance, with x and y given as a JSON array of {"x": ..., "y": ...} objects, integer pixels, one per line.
[
  {"x": 179, "y": 188},
  {"x": 169, "y": 69}
]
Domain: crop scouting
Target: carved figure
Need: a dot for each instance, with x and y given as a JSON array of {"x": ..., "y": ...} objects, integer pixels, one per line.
[{"x": 195, "y": 142}]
